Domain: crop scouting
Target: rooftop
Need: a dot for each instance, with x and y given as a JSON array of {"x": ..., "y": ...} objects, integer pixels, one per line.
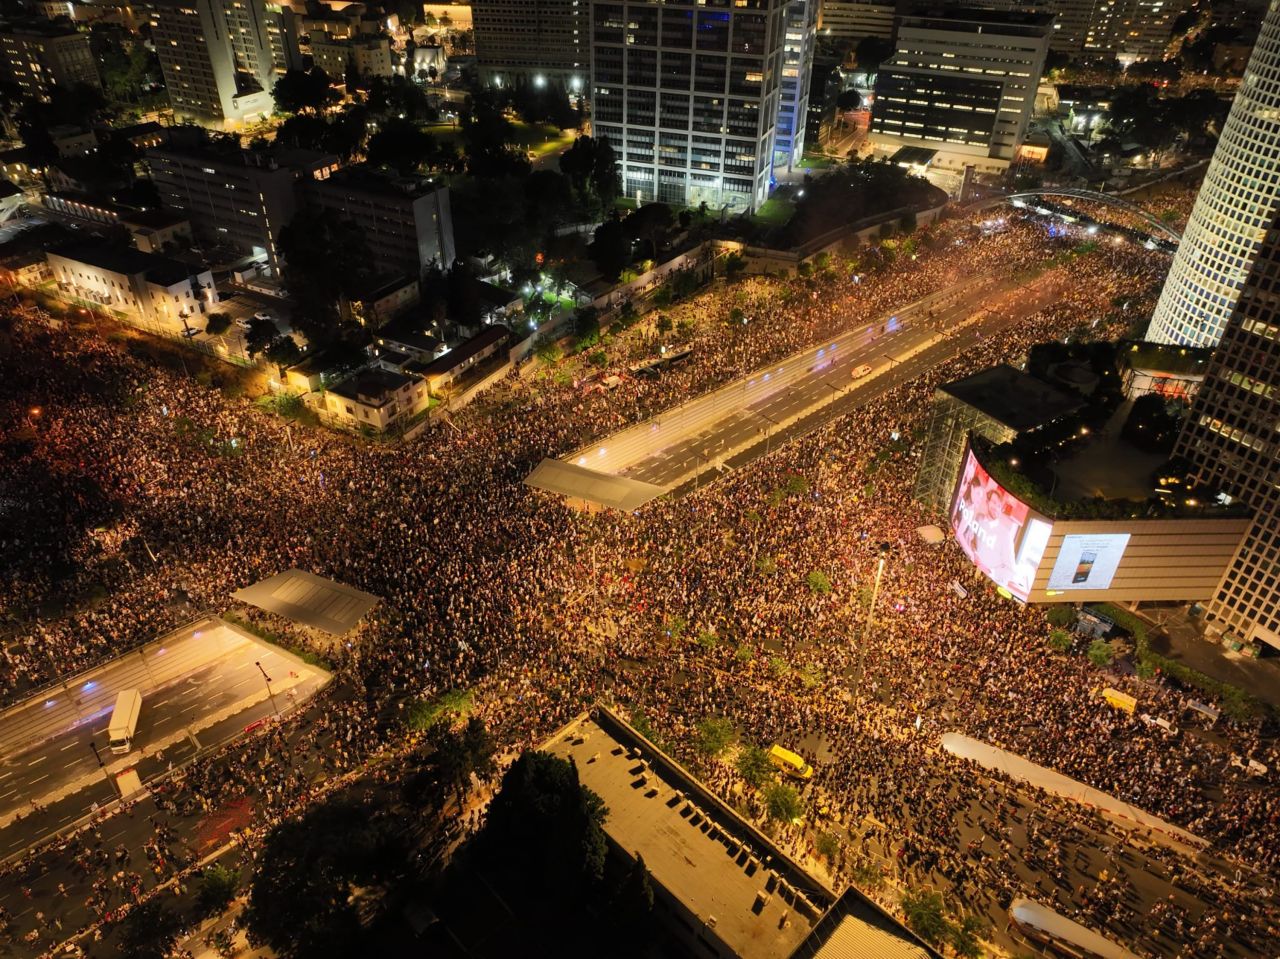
[
  {"x": 311, "y": 600},
  {"x": 601, "y": 489},
  {"x": 1012, "y": 398},
  {"x": 467, "y": 350},
  {"x": 1017, "y": 22},
  {"x": 405, "y": 332},
  {"x": 1165, "y": 358},
  {"x": 154, "y": 218},
  {"x": 371, "y": 386},
  {"x": 915, "y": 156},
  {"x": 128, "y": 261},
  {"x": 717, "y": 865},
  {"x": 857, "y": 929}
]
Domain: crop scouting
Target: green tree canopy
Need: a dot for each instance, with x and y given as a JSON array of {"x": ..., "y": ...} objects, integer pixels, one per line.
[{"x": 304, "y": 91}]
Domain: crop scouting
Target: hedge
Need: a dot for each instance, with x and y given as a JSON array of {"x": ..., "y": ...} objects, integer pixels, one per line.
[
  {"x": 275, "y": 639},
  {"x": 1236, "y": 703}
]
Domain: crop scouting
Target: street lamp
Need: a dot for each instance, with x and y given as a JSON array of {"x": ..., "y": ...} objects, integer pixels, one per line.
[
  {"x": 103, "y": 766},
  {"x": 269, "y": 692},
  {"x": 871, "y": 612}
]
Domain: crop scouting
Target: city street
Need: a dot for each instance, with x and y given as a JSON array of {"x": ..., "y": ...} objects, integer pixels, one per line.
[
  {"x": 200, "y": 686},
  {"x": 919, "y": 337}
]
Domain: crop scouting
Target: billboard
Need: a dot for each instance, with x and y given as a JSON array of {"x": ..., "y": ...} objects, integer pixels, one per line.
[
  {"x": 1088, "y": 561},
  {"x": 1000, "y": 534}
]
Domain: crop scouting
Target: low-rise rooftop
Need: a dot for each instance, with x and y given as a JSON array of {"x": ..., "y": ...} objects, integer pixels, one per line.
[
  {"x": 128, "y": 261},
  {"x": 1013, "y": 398},
  {"x": 372, "y": 386}
]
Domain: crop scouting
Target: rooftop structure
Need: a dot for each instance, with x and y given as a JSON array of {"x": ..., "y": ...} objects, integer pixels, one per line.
[{"x": 310, "y": 600}]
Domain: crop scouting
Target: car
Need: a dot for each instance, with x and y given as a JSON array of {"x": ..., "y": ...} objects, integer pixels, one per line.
[
  {"x": 242, "y": 322},
  {"x": 861, "y": 370},
  {"x": 264, "y": 316}
]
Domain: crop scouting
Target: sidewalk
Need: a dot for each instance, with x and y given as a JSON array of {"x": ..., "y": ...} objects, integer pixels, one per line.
[{"x": 1181, "y": 637}]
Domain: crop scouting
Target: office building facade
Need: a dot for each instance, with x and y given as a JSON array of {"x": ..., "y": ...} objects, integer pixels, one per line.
[
  {"x": 533, "y": 41},
  {"x": 1232, "y": 210},
  {"x": 1230, "y": 442},
  {"x": 797, "y": 70},
  {"x": 220, "y": 58},
  {"x": 38, "y": 56},
  {"x": 688, "y": 95},
  {"x": 406, "y": 221},
  {"x": 961, "y": 83},
  {"x": 856, "y": 19},
  {"x": 241, "y": 198},
  {"x": 1132, "y": 29}
]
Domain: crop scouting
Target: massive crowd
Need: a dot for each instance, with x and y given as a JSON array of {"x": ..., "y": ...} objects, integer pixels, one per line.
[{"x": 140, "y": 495}]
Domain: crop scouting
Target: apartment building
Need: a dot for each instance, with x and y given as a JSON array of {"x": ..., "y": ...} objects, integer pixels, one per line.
[
  {"x": 36, "y": 56},
  {"x": 533, "y": 41}
]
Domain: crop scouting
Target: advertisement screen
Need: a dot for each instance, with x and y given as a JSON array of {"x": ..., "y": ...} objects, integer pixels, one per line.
[
  {"x": 1088, "y": 561},
  {"x": 997, "y": 531}
]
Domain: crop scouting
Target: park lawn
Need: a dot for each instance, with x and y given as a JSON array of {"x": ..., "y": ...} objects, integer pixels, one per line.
[
  {"x": 541, "y": 138},
  {"x": 818, "y": 162},
  {"x": 774, "y": 212}
]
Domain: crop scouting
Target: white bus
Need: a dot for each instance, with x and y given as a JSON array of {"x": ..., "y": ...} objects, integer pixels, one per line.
[{"x": 124, "y": 720}]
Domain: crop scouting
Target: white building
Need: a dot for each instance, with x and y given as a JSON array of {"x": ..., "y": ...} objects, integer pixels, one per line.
[
  {"x": 797, "y": 69},
  {"x": 153, "y": 292},
  {"x": 368, "y": 56},
  {"x": 961, "y": 83},
  {"x": 688, "y": 96},
  {"x": 1233, "y": 209},
  {"x": 220, "y": 58}
]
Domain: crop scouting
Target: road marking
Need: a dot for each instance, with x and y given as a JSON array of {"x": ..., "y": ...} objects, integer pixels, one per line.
[
  {"x": 68, "y": 746},
  {"x": 35, "y": 761},
  {"x": 41, "y": 778}
]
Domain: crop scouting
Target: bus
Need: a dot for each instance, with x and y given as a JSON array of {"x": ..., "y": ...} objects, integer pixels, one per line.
[
  {"x": 124, "y": 720},
  {"x": 790, "y": 763}
]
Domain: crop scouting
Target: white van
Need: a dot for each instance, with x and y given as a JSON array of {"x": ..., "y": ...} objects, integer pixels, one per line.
[{"x": 124, "y": 721}]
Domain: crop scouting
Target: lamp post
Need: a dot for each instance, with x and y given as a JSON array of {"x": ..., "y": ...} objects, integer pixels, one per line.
[
  {"x": 269, "y": 692},
  {"x": 871, "y": 612},
  {"x": 103, "y": 766}
]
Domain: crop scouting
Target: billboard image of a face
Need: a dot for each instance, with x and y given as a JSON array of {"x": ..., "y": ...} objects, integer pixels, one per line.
[
  {"x": 997, "y": 531},
  {"x": 1088, "y": 561}
]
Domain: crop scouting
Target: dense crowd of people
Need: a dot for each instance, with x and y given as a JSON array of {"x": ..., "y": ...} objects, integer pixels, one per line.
[{"x": 132, "y": 496}]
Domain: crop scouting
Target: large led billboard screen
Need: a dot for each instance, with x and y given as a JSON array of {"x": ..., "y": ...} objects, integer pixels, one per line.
[
  {"x": 999, "y": 533},
  {"x": 1088, "y": 561}
]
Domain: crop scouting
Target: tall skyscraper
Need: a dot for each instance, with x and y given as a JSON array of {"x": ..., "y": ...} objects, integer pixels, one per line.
[
  {"x": 1231, "y": 442},
  {"x": 687, "y": 93},
  {"x": 1233, "y": 209},
  {"x": 533, "y": 41},
  {"x": 220, "y": 58},
  {"x": 961, "y": 82},
  {"x": 797, "y": 68}
]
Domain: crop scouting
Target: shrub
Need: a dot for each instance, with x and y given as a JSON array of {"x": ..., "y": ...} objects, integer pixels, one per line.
[
  {"x": 1060, "y": 641},
  {"x": 1062, "y": 616},
  {"x": 828, "y": 846},
  {"x": 715, "y": 735},
  {"x": 1100, "y": 653},
  {"x": 819, "y": 582}
]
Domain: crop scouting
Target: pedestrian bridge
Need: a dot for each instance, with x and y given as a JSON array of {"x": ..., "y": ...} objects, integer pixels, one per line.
[{"x": 1158, "y": 226}]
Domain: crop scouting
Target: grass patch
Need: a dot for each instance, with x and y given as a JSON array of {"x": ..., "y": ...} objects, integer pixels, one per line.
[
  {"x": 774, "y": 212},
  {"x": 275, "y": 639},
  {"x": 1236, "y": 703},
  {"x": 451, "y": 705}
]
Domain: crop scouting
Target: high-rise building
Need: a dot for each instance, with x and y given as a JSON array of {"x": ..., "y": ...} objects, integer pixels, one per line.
[
  {"x": 1132, "y": 29},
  {"x": 220, "y": 58},
  {"x": 533, "y": 41},
  {"x": 962, "y": 83},
  {"x": 1230, "y": 442},
  {"x": 856, "y": 19},
  {"x": 1232, "y": 210},
  {"x": 37, "y": 56},
  {"x": 688, "y": 95},
  {"x": 797, "y": 69}
]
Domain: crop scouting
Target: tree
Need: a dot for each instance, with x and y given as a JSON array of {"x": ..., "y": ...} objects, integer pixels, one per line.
[
  {"x": 715, "y": 734},
  {"x": 634, "y": 902},
  {"x": 464, "y": 296},
  {"x": 1062, "y": 616},
  {"x": 218, "y": 886},
  {"x": 1100, "y": 653},
  {"x": 480, "y": 747},
  {"x": 302, "y": 91},
  {"x": 402, "y": 145},
  {"x": 605, "y": 180},
  {"x": 925, "y": 913},
  {"x": 283, "y": 352},
  {"x": 754, "y": 766},
  {"x": 150, "y": 931},
  {"x": 578, "y": 162},
  {"x": 964, "y": 934},
  {"x": 215, "y": 324},
  {"x": 544, "y": 821},
  {"x": 1060, "y": 640},
  {"x": 301, "y": 901},
  {"x": 259, "y": 337},
  {"x": 734, "y": 264},
  {"x": 487, "y": 133},
  {"x": 326, "y": 258},
  {"x": 649, "y": 224},
  {"x": 548, "y": 199},
  {"x": 610, "y": 250},
  {"x": 819, "y": 582},
  {"x": 908, "y": 223},
  {"x": 783, "y": 802}
]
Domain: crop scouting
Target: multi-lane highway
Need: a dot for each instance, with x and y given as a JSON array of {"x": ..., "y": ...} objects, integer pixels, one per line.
[
  {"x": 894, "y": 349},
  {"x": 200, "y": 686}
]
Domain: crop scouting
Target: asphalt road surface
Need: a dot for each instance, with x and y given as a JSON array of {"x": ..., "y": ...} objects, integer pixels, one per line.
[
  {"x": 928, "y": 333},
  {"x": 200, "y": 688}
]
